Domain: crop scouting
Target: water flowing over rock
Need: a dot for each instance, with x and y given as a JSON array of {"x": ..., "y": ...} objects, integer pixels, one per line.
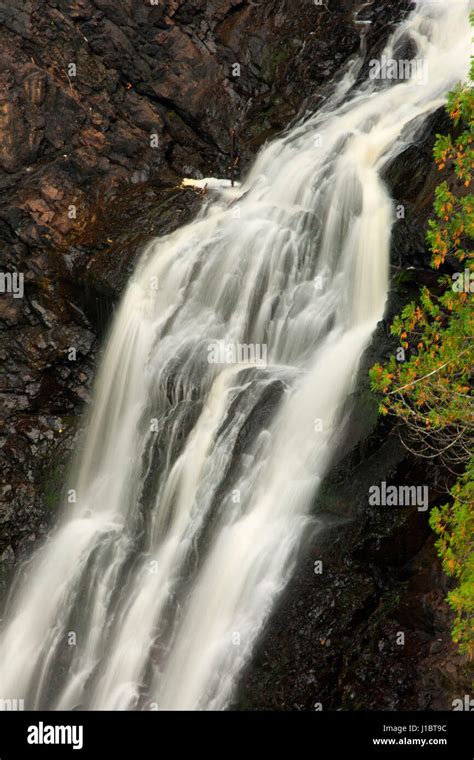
[
  {"x": 195, "y": 481},
  {"x": 82, "y": 190}
]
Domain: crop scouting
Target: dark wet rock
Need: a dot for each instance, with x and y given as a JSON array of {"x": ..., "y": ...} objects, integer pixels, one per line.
[
  {"x": 412, "y": 178},
  {"x": 372, "y": 630}
]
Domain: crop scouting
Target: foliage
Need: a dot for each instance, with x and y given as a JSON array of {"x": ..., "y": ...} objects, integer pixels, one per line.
[
  {"x": 427, "y": 384},
  {"x": 454, "y": 525}
]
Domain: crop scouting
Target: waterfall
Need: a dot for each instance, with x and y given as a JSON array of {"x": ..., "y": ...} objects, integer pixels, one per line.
[{"x": 216, "y": 408}]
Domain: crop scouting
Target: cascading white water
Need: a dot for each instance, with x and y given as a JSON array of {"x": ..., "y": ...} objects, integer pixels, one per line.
[{"x": 196, "y": 478}]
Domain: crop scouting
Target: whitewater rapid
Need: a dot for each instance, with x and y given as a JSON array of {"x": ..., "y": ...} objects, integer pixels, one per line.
[{"x": 217, "y": 406}]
